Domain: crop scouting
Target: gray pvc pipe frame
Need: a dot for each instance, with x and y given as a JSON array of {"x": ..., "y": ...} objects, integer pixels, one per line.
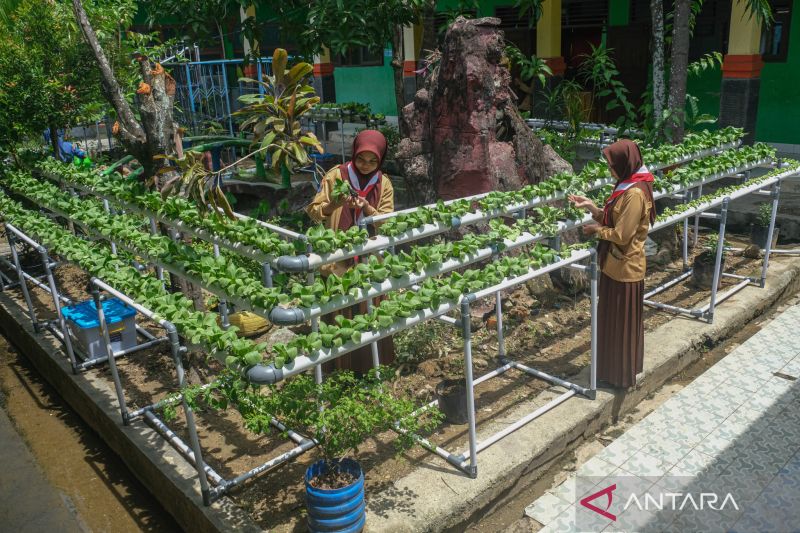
[
  {"x": 471, "y": 468},
  {"x": 11, "y": 234},
  {"x": 175, "y": 348}
]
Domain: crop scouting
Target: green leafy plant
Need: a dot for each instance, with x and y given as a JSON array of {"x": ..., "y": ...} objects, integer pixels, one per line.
[
  {"x": 764, "y": 214},
  {"x": 341, "y": 190},
  {"x": 529, "y": 67},
  {"x": 339, "y": 414},
  {"x": 599, "y": 70},
  {"x": 274, "y": 116}
]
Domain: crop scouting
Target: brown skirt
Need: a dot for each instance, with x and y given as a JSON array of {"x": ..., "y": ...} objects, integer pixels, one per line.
[
  {"x": 620, "y": 331},
  {"x": 360, "y": 360}
]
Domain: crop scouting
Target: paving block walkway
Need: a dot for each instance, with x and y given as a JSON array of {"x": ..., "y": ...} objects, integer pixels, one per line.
[{"x": 722, "y": 455}]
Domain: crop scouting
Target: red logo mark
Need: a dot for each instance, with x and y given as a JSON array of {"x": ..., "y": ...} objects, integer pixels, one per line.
[{"x": 608, "y": 491}]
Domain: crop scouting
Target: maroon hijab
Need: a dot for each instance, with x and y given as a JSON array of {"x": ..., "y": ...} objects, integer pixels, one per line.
[
  {"x": 366, "y": 141},
  {"x": 625, "y": 159}
]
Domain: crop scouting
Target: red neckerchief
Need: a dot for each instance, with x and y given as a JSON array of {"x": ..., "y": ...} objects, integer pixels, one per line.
[
  {"x": 355, "y": 183},
  {"x": 619, "y": 190}
]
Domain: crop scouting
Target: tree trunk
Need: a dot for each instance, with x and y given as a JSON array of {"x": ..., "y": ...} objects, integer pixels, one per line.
[
  {"x": 154, "y": 135},
  {"x": 678, "y": 70},
  {"x": 54, "y": 141},
  {"x": 429, "y": 41},
  {"x": 657, "y": 15},
  {"x": 130, "y": 130},
  {"x": 397, "y": 67}
]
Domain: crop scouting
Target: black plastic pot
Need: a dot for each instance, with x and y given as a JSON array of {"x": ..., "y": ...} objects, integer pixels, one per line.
[
  {"x": 703, "y": 270},
  {"x": 452, "y": 398},
  {"x": 758, "y": 236}
]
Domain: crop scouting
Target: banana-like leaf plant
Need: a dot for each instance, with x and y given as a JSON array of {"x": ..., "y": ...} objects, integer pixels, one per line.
[{"x": 274, "y": 115}]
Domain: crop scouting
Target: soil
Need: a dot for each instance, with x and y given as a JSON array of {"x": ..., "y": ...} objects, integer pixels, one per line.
[
  {"x": 333, "y": 479},
  {"x": 543, "y": 328}
]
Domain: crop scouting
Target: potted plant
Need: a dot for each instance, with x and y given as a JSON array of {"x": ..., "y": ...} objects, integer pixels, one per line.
[
  {"x": 274, "y": 116},
  {"x": 760, "y": 229},
  {"x": 339, "y": 414},
  {"x": 704, "y": 262}
]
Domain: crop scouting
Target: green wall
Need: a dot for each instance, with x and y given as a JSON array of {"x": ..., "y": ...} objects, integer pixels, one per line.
[
  {"x": 779, "y": 97},
  {"x": 706, "y": 87},
  {"x": 367, "y": 85}
]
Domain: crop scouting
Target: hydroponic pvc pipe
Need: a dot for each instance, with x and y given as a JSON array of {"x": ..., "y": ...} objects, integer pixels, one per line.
[
  {"x": 175, "y": 349},
  {"x": 381, "y": 242},
  {"x": 595, "y": 185},
  {"x": 286, "y": 316},
  {"x": 776, "y": 192},
  {"x": 266, "y": 374}
]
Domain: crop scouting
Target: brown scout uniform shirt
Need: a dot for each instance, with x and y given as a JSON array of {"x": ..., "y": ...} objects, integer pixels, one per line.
[
  {"x": 631, "y": 215},
  {"x": 323, "y": 199}
]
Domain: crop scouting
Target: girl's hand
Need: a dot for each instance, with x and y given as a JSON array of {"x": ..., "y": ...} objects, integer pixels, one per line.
[
  {"x": 590, "y": 229},
  {"x": 581, "y": 202},
  {"x": 333, "y": 205},
  {"x": 356, "y": 202}
]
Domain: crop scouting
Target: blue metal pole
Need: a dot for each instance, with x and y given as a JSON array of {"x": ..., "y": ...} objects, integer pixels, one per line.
[
  {"x": 227, "y": 95},
  {"x": 191, "y": 93}
]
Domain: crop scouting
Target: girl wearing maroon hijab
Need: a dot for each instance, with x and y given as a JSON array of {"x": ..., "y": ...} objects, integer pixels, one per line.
[
  {"x": 622, "y": 227},
  {"x": 372, "y": 194}
]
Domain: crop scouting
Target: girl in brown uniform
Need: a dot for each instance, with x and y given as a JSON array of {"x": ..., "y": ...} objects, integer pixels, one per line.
[
  {"x": 373, "y": 195},
  {"x": 622, "y": 227}
]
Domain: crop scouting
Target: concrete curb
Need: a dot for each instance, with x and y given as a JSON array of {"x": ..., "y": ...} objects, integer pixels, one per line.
[
  {"x": 165, "y": 473},
  {"x": 435, "y": 497}
]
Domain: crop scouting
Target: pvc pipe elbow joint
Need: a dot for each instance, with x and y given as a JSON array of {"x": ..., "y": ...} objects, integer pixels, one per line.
[
  {"x": 286, "y": 316},
  {"x": 293, "y": 263},
  {"x": 264, "y": 375}
]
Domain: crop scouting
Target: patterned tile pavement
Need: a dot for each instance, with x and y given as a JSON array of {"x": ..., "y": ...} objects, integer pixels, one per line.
[{"x": 722, "y": 455}]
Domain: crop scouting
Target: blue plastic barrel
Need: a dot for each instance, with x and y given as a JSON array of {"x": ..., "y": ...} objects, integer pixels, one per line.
[{"x": 340, "y": 510}]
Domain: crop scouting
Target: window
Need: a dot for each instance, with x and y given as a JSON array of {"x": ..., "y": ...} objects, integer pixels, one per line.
[
  {"x": 584, "y": 13},
  {"x": 711, "y": 29},
  {"x": 775, "y": 39},
  {"x": 518, "y": 31},
  {"x": 360, "y": 57}
]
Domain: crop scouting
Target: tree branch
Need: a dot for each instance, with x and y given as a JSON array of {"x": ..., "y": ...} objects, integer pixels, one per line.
[{"x": 127, "y": 120}]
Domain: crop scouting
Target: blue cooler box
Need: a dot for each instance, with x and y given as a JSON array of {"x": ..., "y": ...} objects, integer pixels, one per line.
[{"x": 85, "y": 328}]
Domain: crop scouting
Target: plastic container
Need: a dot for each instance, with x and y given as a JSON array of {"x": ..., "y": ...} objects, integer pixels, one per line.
[
  {"x": 85, "y": 327},
  {"x": 340, "y": 510}
]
